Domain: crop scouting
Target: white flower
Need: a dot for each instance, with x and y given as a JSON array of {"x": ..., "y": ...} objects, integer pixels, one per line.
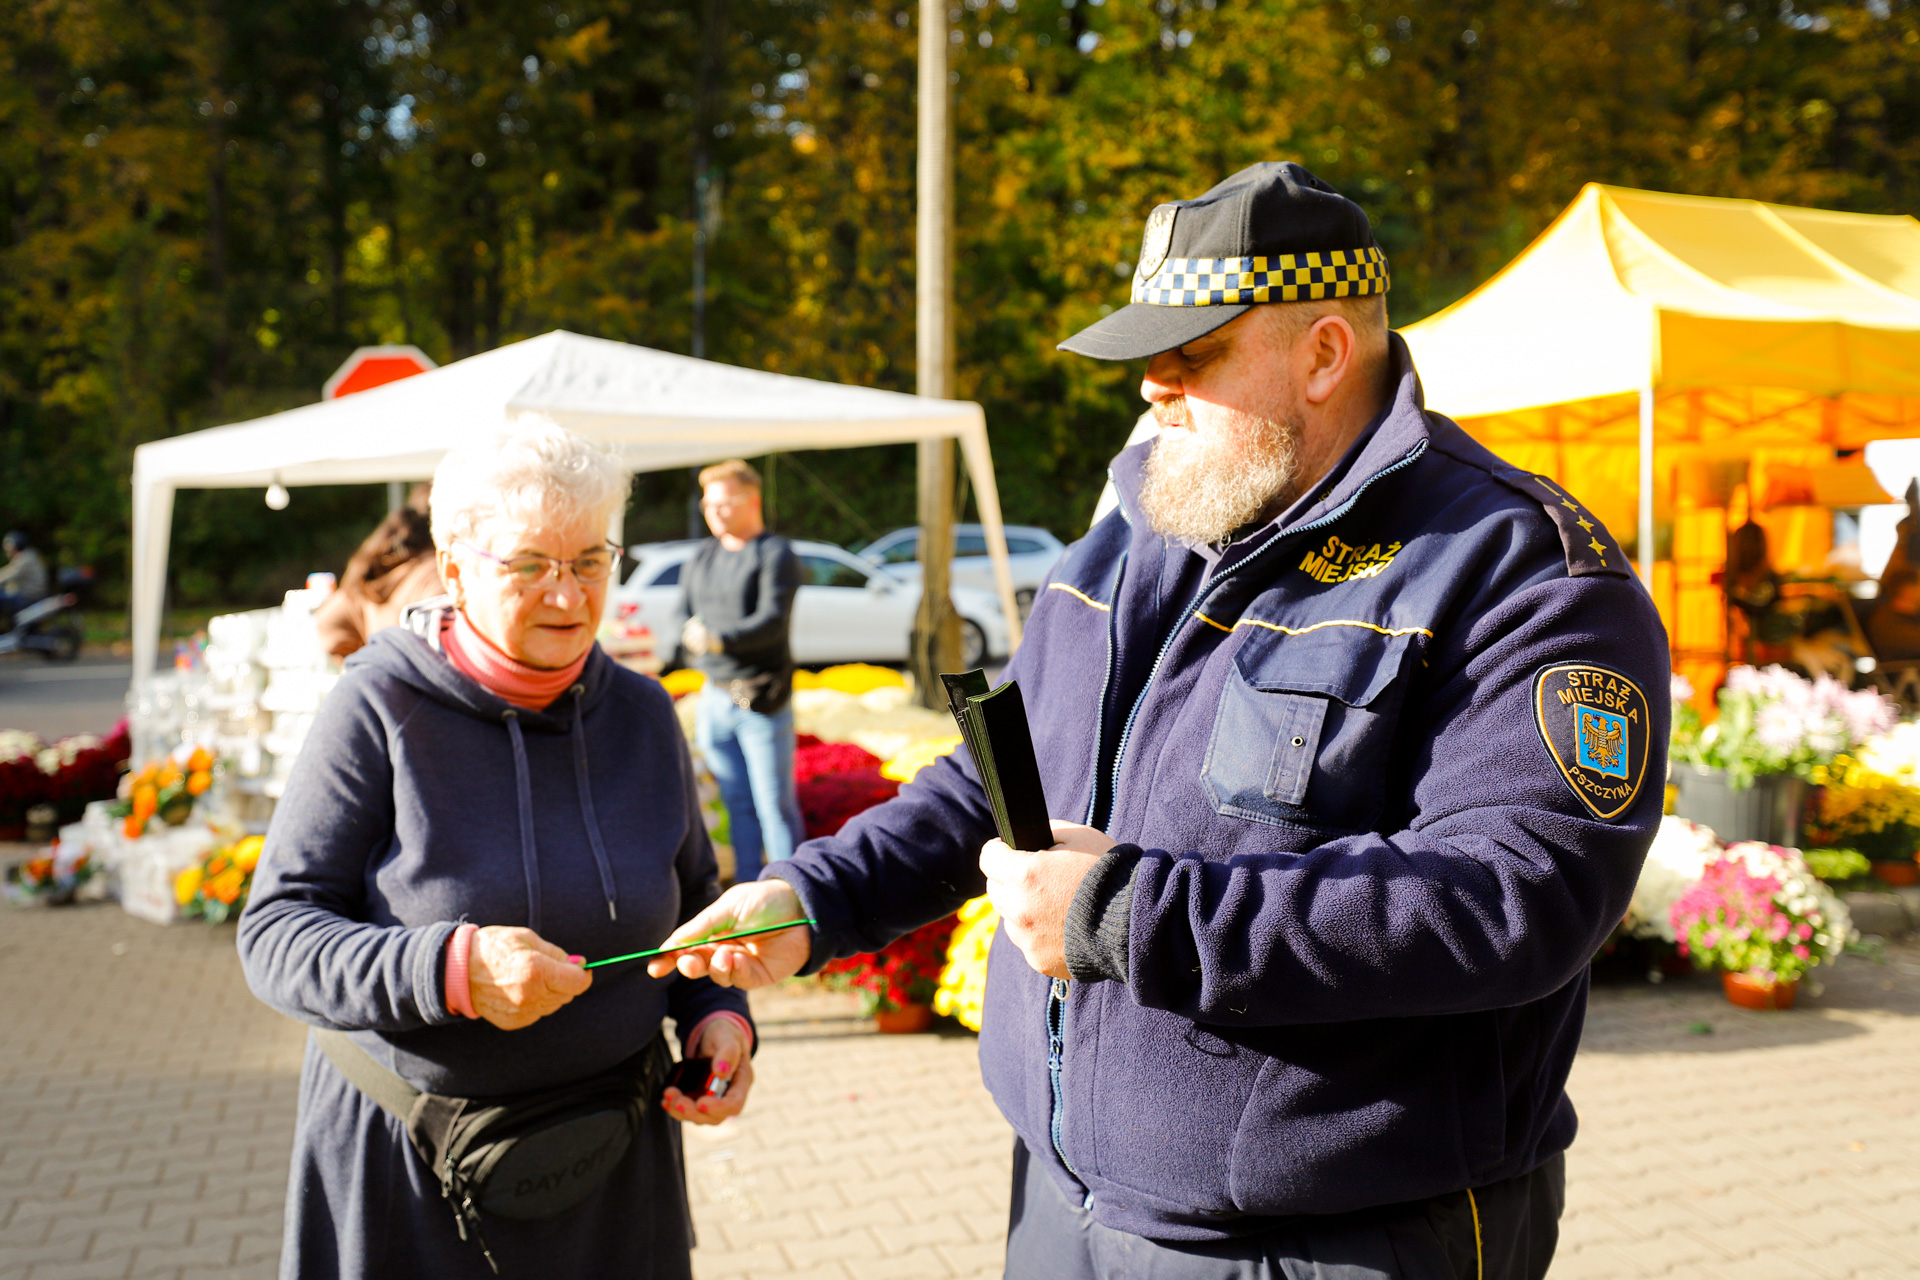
[
  {"x": 1680, "y": 689},
  {"x": 1894, "y": 752},
  {"x": 15, "y": 743},
  {"x": 1675, "y": 863}
]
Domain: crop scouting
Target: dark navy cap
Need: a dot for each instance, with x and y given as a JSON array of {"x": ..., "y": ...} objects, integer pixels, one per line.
[{"x": 1271, "y": 233}]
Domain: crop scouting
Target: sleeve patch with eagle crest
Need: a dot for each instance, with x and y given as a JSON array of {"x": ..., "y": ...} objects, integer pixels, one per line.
[{"x": 1595, "y": 725}]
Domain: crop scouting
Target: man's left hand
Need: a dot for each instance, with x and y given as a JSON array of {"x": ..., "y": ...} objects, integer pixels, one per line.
[{"x": 1032, "y": 891}]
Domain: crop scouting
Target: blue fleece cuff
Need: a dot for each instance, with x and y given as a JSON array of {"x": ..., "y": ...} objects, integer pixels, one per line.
[
  {"x": 803, "y": 889},
  {"x": 1098, "y": 918}
]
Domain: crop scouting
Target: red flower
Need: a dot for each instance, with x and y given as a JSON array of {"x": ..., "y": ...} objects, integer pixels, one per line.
[
  {"x": 828, "y": 800},
  {"x": 814, "y": 759}
]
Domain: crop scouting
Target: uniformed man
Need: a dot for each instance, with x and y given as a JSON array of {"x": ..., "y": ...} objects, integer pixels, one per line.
[{"x": 1362, "y": 731}]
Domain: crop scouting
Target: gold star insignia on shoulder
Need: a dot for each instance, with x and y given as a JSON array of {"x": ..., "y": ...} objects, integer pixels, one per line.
[{"x": 1580, "y": 532}]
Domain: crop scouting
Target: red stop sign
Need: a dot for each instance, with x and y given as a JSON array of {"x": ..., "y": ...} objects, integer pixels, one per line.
[{"x": 370, "y": 367}]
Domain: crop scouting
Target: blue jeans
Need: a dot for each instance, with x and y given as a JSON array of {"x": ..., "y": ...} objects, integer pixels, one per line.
[{"x": 751, "y": 757}]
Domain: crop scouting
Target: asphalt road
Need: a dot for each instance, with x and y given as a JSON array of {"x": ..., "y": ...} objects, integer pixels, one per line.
[{"x": 57, "y": 699}]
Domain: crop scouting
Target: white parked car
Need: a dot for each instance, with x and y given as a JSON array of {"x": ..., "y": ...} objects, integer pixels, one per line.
[
  {"x": 846, "y": 609},
  {"x": 1030, "y": 553}
]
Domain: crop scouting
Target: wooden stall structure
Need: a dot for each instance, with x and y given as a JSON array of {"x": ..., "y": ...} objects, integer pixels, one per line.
[{"x": 1680, "y": 361}]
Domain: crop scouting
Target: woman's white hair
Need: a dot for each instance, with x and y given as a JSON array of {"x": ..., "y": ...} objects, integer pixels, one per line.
[{"x": 534, "y": 467}]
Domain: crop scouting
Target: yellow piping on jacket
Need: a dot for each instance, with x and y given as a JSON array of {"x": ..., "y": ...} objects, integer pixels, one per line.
[
  {"x": 1300, "y": 631},
  {"x": 1081, "y": 596}
]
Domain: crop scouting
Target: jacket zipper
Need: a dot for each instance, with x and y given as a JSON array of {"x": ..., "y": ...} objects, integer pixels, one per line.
[
  {"x": 1057, "y": 991},
  {"x": 1056, "y": 1064},
  {"x": 1106, "y": 682},
  {"x": 1126, "y": 732}
]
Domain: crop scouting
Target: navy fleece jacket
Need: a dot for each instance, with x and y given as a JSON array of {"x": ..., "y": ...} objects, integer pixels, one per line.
[
  {"x": 420, "y": 800},
  {"x": 1387, "y": 768}
]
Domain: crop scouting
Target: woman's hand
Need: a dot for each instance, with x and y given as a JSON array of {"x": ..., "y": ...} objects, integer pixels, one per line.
[
  {"x": 515, "y": 977},
  {"x": 727, "y": 1043},
  {"x": 750, "y": 962}
]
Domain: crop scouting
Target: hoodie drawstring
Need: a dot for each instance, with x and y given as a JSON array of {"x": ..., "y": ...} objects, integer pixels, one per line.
[
  {"x": 523, "y": 779},
  {"x": 586, "y": 799},
  {"x": 529, "y": 857}
]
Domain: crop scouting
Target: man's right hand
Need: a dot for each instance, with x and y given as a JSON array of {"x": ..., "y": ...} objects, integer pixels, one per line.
[{"x": 751, "y": 962}]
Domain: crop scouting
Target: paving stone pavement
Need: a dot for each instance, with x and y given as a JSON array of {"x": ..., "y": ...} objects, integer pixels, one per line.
[{"x": 146, "y": 1107}]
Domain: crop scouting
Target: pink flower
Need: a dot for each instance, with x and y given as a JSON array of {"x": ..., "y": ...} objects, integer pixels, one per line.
[
  {"x": 1804, "y": 932},
  {"x": 1800, "y": 949}
]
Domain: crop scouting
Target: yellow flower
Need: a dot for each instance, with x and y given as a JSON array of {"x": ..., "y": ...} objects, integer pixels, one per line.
[
  {"x": 963, "y": 983},
  {"x": 684, "y": 681},
  {"x": 904, "y": 766},
  {"x": 855, "y": 678},
  {"x": 246, "y": 854},
  {"x": 185, "y": 885}
]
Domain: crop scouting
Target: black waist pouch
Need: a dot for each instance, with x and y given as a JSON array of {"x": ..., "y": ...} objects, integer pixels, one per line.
[{"x": 532, "y": 1155}]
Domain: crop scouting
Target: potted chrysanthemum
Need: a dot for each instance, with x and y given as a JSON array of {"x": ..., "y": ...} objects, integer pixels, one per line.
[
  {"x": 1745, "y": 775},
  {"x": 1870, "y": 801},
  {"x": 1760, "y": 916}
]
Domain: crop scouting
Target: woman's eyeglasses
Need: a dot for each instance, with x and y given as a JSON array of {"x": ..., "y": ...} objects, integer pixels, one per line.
[{"x": 589, "y": 567}]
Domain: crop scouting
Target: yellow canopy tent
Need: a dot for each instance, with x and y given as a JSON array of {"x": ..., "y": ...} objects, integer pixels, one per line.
[{"x": 1678, "y": 355}]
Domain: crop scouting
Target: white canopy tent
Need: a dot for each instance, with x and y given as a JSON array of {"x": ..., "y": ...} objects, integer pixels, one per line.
[{"x": 653, "y": 409}]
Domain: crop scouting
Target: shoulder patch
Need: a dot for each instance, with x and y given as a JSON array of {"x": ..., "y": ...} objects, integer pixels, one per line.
[
  {"x": 1590, "y": 548},
  {"x": 1595, "y": 725}
]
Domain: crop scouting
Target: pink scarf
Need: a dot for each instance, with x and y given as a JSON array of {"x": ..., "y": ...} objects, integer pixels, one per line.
[{"x": 476, "y": 657}]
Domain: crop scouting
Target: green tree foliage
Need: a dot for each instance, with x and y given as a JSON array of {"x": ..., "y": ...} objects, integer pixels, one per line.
[{"x": 206, "y": 204}]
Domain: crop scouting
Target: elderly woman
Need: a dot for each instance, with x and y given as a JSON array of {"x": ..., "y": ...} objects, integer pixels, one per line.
[{"x": 485, "y": 799}]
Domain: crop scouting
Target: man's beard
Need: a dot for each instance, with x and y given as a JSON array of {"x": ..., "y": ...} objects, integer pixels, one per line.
[{"x": 1202, "y": 487}]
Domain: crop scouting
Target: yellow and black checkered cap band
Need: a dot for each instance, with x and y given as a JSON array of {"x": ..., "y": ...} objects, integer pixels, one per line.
[{"x": 1293, "y": 277}]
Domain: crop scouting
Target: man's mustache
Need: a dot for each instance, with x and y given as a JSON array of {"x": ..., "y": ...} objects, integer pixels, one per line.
[{"x": 1171, "y": 413}]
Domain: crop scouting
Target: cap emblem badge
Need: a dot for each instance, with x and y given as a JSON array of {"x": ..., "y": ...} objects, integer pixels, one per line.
[{"x": 1157, "y": 240}]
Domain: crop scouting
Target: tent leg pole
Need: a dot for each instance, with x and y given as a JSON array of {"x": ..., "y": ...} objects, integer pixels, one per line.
[
  {"x": 979, "y": 463},
  {"x": 152, "y": 530},
  {"x": 1646, "y": 487}
]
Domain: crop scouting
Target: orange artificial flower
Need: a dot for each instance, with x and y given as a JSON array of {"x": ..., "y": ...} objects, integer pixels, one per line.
[
  {"x": 133, "y": 826},
  {"x": 200, "y": 761},
  {"x": 226, "y": 886},
  {"x": 198, "y": 781}
]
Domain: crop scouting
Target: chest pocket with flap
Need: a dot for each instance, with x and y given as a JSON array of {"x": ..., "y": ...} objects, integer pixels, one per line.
[{"x": 1306, "y": 725}]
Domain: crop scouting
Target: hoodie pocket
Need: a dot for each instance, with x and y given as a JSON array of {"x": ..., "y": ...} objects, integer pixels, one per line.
[{"x": 1306, "y": 724}]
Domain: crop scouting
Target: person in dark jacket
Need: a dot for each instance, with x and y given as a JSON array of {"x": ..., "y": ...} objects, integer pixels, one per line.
[
  {"x": 485, "y": 799},
  {"x": 1359, "y": 733},
  {"x": 738, "y": 594}
]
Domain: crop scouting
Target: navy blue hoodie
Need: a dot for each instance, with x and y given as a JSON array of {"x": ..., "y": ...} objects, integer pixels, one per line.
[
  {"x": 422, "y": 799},
  {"x": 1388, "y": 767}
]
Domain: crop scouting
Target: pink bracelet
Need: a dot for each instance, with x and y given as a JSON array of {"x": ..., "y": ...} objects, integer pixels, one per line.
[
  {"x": 459, "y": 989},
  {"x": 700, "y": 1027}
]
